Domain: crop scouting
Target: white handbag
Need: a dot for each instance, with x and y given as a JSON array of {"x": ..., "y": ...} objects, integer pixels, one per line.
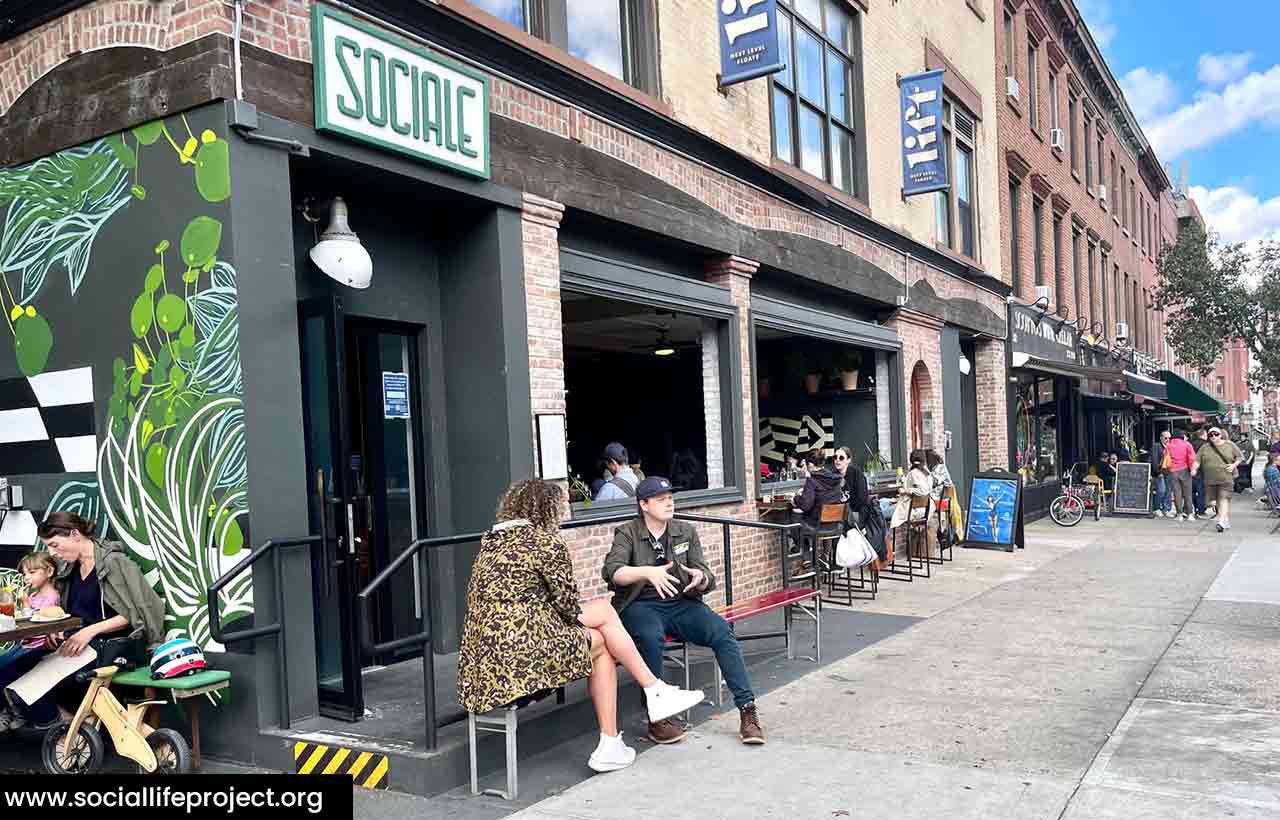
[{"x": 853, "y": 550}]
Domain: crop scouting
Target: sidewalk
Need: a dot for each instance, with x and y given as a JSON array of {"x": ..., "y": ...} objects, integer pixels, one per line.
[{"x": 1083, "y": 675}]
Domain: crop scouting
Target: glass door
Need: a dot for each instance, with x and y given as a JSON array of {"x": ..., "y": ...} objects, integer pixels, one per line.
[{"x": 333, "y": 471}]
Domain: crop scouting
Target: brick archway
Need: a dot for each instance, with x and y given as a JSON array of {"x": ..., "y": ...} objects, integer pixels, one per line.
[{"x": 922, "y": 420}]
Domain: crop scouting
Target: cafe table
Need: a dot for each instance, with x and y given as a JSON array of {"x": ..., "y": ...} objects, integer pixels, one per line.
[{"x": 27, "y": 629}]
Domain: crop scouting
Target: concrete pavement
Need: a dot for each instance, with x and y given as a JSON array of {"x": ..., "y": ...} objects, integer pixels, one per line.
[{"x": 1122, "y": 669}]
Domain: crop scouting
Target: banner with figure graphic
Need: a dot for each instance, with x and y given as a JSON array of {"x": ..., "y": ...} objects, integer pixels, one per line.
[{"x": 924, "y": 155}]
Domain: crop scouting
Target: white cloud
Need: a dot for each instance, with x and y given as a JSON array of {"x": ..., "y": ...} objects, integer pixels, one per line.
[
  {"x": 1097, "y": 16},
  {"x": 1238, "y": 215},
  {"x": 1217, "y": 114},
  {"x": 1149, "y": 92},
  {"x": 1219, "y": 69}
]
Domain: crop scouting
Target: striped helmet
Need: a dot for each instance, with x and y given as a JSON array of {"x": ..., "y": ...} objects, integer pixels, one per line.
[{"x": 173, "y": 659}]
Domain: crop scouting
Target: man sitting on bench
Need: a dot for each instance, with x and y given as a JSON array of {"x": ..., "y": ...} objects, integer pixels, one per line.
[{"x": 658, "y": 575}]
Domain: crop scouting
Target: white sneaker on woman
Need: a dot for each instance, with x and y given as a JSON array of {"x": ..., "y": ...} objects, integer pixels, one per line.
[
  {"x": 611, "y": 754},
  {"x": 664, "y": 700}
]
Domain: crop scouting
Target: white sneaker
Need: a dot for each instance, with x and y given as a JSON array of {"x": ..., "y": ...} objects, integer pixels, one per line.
[
  {"x": 1159, "y": 513},
  {"x": 1182, "y": 518},
  {"x": 611, "y": 754},
  {"x": 664, "y": 700}
]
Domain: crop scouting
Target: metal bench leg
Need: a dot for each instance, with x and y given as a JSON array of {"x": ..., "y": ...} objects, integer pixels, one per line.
[
  {"x": 688, "y": 678},
  {"x": 471, "y": 742},
  {"x": 719, "y": 685},
  {"x": 817, "y": 634},
  {"x": 512, "y": 780},
  {"x": 786, "y": 618}
]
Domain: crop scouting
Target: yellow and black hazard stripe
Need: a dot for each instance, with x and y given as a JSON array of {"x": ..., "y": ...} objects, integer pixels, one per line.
[{"x": 367, "y": 769}]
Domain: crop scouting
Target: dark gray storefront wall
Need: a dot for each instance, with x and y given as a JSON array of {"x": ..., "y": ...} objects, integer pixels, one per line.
[{"x": 953, "y": 408}]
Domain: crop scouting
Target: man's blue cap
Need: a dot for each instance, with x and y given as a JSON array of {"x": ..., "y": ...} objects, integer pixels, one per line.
[{"x": 651, "y": 486}]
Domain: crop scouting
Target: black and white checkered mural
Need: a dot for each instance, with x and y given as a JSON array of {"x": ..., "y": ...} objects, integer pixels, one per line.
[
  {"x": 47, "y": 423},
  {"x": 780, "y": 435}
]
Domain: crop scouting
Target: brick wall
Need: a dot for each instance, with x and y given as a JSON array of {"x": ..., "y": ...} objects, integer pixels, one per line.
[
  {"x": 921, "y": 345},
  {"x": 1048, "y": 174},
  {"x": 992, "y": 385},
  {"x": 282, "y": 26},
  {"x": 884, "y": 410}
]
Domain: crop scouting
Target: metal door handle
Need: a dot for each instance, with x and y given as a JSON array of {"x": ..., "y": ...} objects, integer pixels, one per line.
[{"x": 351, "y": 528}]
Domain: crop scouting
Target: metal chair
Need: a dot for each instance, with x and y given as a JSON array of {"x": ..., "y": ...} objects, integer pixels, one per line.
[{"x": 918, "y": 534}]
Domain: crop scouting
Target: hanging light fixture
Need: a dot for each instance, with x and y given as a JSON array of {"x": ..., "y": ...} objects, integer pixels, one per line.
[
  {"x": 339, "y": 253},
  {"x": 663, "y": 346}
]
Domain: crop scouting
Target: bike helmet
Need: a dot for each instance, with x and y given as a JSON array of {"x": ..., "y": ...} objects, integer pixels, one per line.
[{"x": 173, "y": 659}]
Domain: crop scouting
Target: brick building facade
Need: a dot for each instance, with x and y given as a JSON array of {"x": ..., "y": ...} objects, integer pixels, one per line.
[{"x": 610, "y": 186}]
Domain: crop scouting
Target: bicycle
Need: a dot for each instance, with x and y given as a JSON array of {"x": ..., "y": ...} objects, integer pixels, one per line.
[
  {"x": 76, "y": 746},
  {"x": 1068, "y": 509}
]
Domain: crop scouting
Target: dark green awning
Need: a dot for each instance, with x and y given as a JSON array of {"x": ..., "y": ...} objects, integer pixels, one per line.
[{"x": 1185, "y": 394}]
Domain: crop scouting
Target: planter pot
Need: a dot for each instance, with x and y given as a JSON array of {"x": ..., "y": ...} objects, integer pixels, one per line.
[
  {"x": 812, "y": 382},
  {"x": 762, "y": 388},
  {"x": 850, "y": 379}
]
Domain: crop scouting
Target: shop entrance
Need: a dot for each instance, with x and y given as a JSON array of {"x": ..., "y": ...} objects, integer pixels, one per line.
[{"x": 366, "y": 476}]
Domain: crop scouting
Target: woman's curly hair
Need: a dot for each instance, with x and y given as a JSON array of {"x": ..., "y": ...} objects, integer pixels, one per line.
[{"x": 539, "y": 502}]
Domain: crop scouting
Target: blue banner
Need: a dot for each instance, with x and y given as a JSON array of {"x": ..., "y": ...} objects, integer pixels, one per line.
[
  {"x": 748, "y": 40},
  {"x": 924, "y": 161}
]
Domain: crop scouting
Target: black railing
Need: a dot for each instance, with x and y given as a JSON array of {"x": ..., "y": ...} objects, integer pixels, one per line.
[
  {"x": 276, "y": 628},
  {"x": 422, "y": 639}
]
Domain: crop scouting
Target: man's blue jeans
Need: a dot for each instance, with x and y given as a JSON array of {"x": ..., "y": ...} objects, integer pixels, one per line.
[
  {"x": 649, "y": 621},
  {"x": 1162, "y": 493},
  {"x": 1197, "y": 491}
]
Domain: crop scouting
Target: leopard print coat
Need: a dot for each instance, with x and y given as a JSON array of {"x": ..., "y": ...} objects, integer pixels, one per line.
[{"x": 521, "y": 634}]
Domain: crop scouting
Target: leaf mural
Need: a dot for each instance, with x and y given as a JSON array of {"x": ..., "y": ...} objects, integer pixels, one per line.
[
  {"x": 57, "y": 206},
  {"x": 83, "y": 499}
]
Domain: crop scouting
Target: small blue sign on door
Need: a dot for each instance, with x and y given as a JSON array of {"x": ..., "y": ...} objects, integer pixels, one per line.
[
  {"x": 748, "y": 40},
  {"x": 395, "y": 395}
]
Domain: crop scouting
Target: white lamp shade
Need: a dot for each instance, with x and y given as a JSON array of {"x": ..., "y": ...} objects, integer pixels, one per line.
[
  {"x": 345, "y": 261},
  {"x": 965, "y": 367}
]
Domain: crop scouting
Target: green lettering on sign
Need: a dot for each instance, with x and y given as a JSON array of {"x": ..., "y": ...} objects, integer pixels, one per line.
[
  {"x": 370, "y": 56},
  {"x": 431, "y": 107},
  {"x": 464, "y": 139},
  {"x": 397, "y": 65},
  {"x": 342, "y": 44}
]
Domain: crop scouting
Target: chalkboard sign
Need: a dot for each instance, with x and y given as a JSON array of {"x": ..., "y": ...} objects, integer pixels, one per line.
[
  {"x": 1133, "y": 488},
  {"x": 995, "y": 512}
]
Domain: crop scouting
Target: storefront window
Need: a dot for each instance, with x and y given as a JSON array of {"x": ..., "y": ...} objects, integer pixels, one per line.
[
  {"x": 1047, "y": 422},
  {"x": 1036, "y": 431},
  {"x": 651, "y": 379},
  {"x": 814, "y": 394}
]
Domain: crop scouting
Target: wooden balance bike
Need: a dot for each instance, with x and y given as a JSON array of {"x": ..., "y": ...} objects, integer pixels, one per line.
[{"x": 76, "y": 747}]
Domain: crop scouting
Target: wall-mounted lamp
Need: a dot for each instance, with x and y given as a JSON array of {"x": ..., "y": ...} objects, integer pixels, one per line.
[
  {"x": 1042, "y": 301},
  {"x": 1066, "y": 313},
  {"x": 965, "y": 367},
  {"x": 338, "y": 253}
]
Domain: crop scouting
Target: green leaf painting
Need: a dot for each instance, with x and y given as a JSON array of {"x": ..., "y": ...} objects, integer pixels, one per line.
[{"x": 172, "y": 462}]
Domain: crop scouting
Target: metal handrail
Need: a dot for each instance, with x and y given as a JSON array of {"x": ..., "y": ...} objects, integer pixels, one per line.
[
  {"x": 277, "y": 628},
  {"x": 728, "y": 538}
]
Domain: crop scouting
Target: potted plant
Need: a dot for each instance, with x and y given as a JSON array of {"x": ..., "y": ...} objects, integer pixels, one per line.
[
  {"x": 849, "y": 362},
  {"x": 822, "y": 365}
]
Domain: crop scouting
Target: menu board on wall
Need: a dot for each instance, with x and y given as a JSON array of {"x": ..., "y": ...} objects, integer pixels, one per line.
[{"x": 1133, "y": 488}]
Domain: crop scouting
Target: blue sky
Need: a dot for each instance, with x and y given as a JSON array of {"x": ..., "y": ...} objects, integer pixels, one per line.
[{"x": 1204, "y": 82}]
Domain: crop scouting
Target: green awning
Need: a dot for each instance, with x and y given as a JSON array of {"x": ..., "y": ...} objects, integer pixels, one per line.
[{"x": 1185, "y": 394}]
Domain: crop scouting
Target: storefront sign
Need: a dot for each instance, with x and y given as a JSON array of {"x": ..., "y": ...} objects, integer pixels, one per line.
[
  {"x": 397, "y": 96},
  {"x": 748, "y": 40},
  {"x": 924, "y": 162},
  {"x": 395, "y": 395},
  {"x": 1042, "y": 337}
]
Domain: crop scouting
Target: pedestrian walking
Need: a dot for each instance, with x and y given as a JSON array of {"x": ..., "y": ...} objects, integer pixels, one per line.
[
  {"x": 1161, "y": 471},
  {"x": 1182, "y": 468},
  {"x": 1218, "y": 460}
]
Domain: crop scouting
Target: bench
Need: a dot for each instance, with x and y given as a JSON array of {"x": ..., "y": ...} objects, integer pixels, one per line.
[
  {"x": 191, "y": 688},
  {"x": 505, "y": 720}
]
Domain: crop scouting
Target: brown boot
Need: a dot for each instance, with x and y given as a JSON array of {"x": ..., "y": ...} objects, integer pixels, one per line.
[
  {"x": 749, "y": 730},
  {"x": 665, "y": 731}
]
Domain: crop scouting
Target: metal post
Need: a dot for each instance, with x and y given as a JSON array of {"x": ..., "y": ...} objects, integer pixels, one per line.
[
  {"x": 728, "y": 566},
  {"x": 282, "y": 663},
  {"x": 428, "y": 651}
]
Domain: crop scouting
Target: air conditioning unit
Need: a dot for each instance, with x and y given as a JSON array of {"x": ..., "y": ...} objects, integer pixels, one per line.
[
  {"x": 1122, "y": 332},
  {"x": 1044, "y": 292},
  {"x": 1011, "y": 87},
  {"x": 1102, "y": 193},
  {"x": 1057, "y": 139}
]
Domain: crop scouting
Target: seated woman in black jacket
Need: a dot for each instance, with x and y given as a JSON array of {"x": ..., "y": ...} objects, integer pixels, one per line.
[{"x": 823, "y": 486}]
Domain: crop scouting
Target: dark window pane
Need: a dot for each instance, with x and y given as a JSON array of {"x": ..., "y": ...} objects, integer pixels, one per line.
[
  {"x": 838, "y": 101},
  {"x": 784, "y": 49},
  {"x": 812, "y": 150},
  {"x": 595, "y": 34},
  {"x": 784, "y": 147},
  {"x": 809, "y": 66},
  {"x": 839, "y": 26},
  {"x": 964, "y": 200},
  {"x": 511, "y": 11},
  {"x": 841, "y": 158}
]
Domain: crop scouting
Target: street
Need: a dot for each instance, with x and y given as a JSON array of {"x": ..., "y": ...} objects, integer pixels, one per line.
[{"x": 1122, "y": 669}]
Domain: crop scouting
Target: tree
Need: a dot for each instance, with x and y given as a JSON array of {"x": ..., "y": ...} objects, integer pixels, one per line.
[{"x": 1216, "y": 292}]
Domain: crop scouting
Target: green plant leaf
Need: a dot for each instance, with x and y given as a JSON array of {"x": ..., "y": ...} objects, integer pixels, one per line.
[
  {"x": 122, "y": 151},
  {"x": 117, "y": 368},
  {"x": 200, "y": 240},
  {"x": 232, "y": 537},
  {"x": 188, "y": 335},
  {"x": 116, "y": 408},
  {"x": 135, "y": 387},
  {"x": 191, "y": 276},
  {"x": 213, "y": 171},
  {"x": 149, "y": 132},
  {"x": 164, "y": 359},
  {"x": 155, "y": 278},
  {"x": 138, "y": 192},
  {"x": 155, "y": 463},
  {"x": 156, "y": 408},
  {"x": 178, "y": 377},
  {"x": 142, "y": 315},
  {"x": 32, "y": 341},
  {"x": 140, "y": 361},
  {"x": 171, "y": 313}
]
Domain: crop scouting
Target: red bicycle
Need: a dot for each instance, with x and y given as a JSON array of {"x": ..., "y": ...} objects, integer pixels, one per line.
[{"x": 1068, "y": 509}]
